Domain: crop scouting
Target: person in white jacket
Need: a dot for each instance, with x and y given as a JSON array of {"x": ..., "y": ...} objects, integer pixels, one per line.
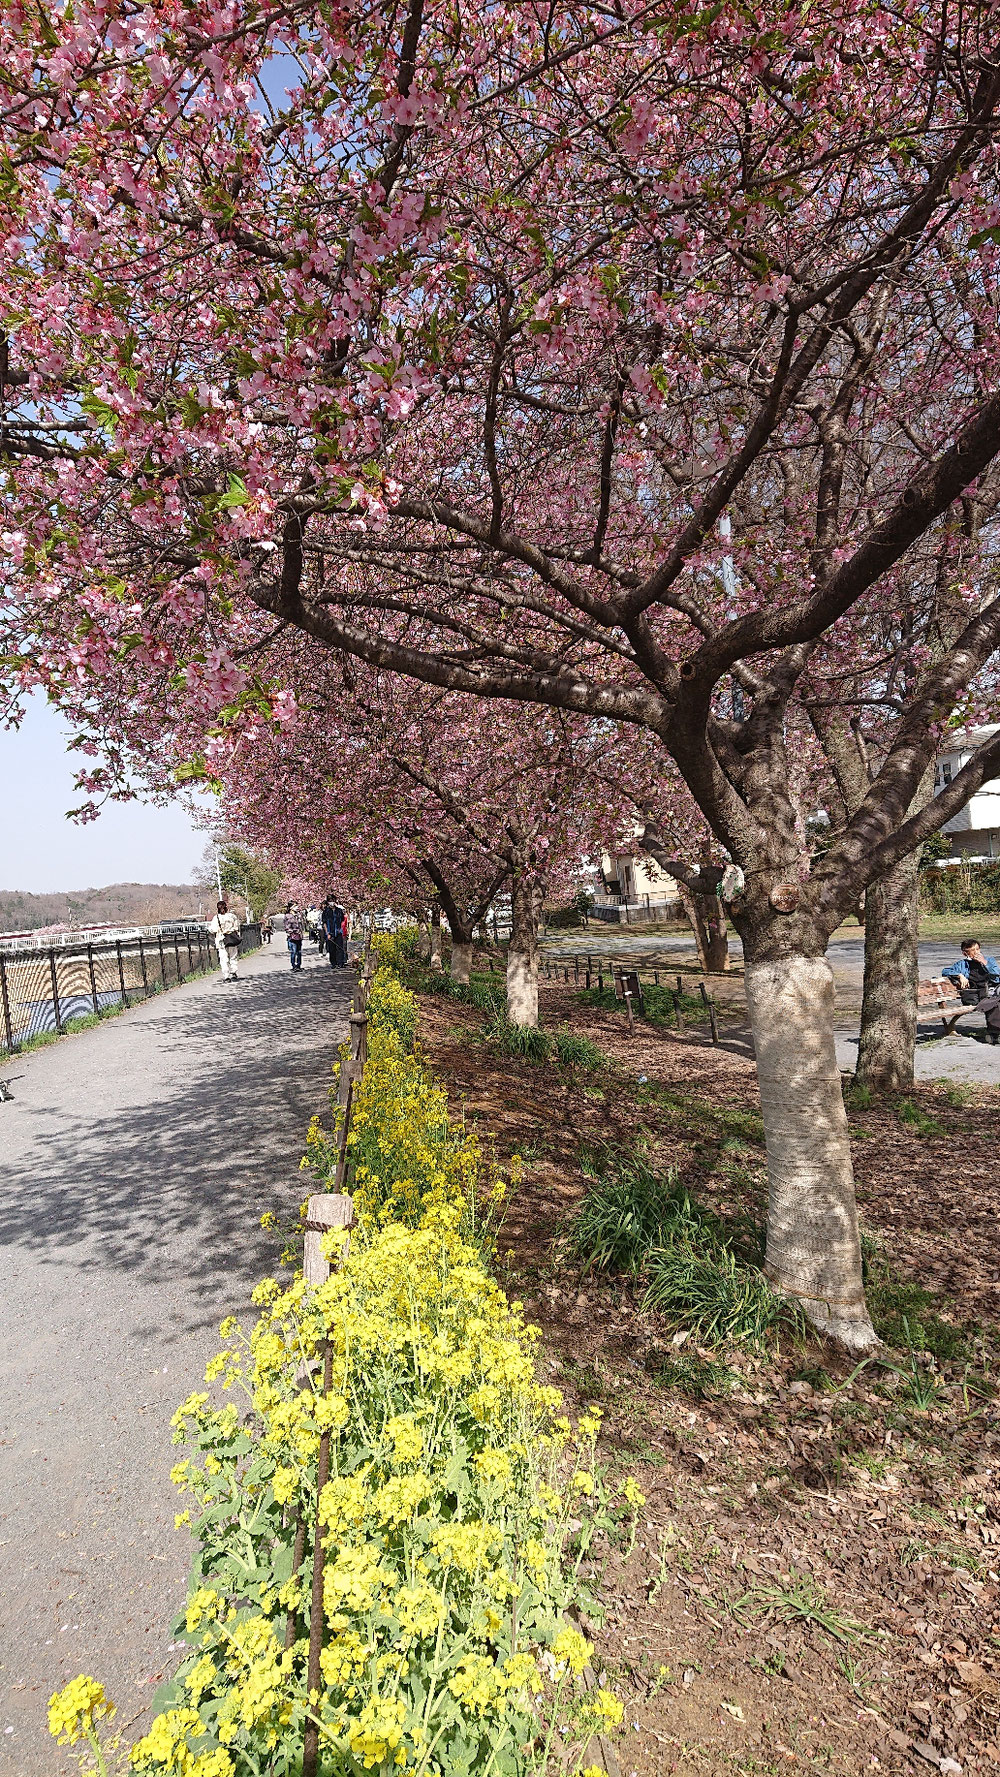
[{"x": 225, "y": 929}]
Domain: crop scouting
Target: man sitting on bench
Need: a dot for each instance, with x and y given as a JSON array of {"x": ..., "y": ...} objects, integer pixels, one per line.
[{"x": 977, "y": 978}]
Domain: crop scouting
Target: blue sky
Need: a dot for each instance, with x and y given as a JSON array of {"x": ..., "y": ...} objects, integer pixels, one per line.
[{"x": 42, "y": 851}]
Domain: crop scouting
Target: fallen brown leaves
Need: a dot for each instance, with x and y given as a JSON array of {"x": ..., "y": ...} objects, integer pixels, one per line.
[{"x": 817, "y": 1565}]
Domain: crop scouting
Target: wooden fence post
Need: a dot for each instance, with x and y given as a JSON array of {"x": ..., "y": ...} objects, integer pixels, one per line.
[
  {"x": 359, "y": 1037},
  {"x": 329, "y": 1209}
]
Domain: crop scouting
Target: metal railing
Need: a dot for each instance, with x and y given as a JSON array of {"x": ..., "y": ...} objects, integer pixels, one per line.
[
  {"x": 50, "y": 990},
  {"x": 633, "y": 913}
]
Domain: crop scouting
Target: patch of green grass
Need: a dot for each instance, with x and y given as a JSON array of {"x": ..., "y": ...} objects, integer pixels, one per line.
[
  {"x": 904, "y": 1314},
  {"x": 627, "y": 1210},
  {"x": 857, "y": 1096},
  {"x": 658, "y": 1004},
  {"x": 486, "y": 992},
  {"x": 958, "y": 1095},
  {"x": 698, "y": 1377},
  {"x": 697, "y": 1117},
  {"x": 914, "y": 1118},
  {"x": 40, "y": 1040},
  {"x": 86, "y": 1021}
]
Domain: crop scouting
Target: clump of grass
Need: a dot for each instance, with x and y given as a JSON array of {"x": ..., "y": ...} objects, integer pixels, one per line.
[
  {"x": 957, "y": 1095},
  {"x": 722, "y": 1301},
  {"x": 628, "y": 1209},
  {"x": 801, "y": 1600},
  {"x": 576, "y": 1051},
  {"x": 702, "y": 1272},
  {"x": 857, "y": 1096},
  {"x": 520, "y": 1041}
]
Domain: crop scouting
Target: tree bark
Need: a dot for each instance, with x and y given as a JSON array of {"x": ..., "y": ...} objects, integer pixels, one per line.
[
  {"x": 423, "y": 941},
  {"x": 708, "y": 923},
  {"x": 813, "y": 1245},
  {"x": 461, "y": 959},
  {"x": 889, "y": 1002},
  {"x": 436, "y": 937},
  {"x": 522, "y": 952}
]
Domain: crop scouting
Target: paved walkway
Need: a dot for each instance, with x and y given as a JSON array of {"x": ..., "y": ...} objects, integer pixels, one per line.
[{"x": 137, "y": 1160}]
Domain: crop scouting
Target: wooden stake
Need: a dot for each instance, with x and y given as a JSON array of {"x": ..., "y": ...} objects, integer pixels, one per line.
[
  {"x": 310, "y": 1739},
  {"x": 328, "y": 1209}
]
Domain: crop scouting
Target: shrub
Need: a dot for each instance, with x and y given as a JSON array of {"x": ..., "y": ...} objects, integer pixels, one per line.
[{"x": 456, "y": 1486}]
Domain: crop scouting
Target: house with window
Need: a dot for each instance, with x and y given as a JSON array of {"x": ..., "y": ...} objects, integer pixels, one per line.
[
  {"x": 630, "y": 885},
  {"x": 975, "y": 831}
]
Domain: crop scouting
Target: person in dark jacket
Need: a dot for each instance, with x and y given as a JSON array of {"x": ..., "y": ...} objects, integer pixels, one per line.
[{"x": 334, "y": 924}]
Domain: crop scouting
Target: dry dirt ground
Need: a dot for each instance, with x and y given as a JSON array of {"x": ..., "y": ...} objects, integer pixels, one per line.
[{"x": 815, "y": 1580}]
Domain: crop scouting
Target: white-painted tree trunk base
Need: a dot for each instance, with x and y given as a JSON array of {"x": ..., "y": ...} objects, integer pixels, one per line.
[
  {"x": 813, "y": 1246},
  {"x": 461, "y": 962},
  {"x": 522, "y": 989},
  {"x": 522, "y": 952}
]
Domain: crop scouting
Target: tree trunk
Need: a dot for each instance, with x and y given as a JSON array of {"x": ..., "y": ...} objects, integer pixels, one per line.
[
  {"x": 708, "y": 923},
  {"x": 889, "y": 1003},
  {"x": 461, "y": 959},
  {"x": 436, "y": 938},
  {"x": 813, "y": 1247},
  {"x": 423, "y": 941},
  {"x": 522, "y": 952}
]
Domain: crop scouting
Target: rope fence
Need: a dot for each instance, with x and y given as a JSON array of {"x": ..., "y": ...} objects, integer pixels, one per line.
[{"x": 625, "y": 980}]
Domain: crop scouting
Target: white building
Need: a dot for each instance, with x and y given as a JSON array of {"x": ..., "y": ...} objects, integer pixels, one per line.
[
  {"x": 975, "y": 831},
  {"x": 631, "y": 883}
]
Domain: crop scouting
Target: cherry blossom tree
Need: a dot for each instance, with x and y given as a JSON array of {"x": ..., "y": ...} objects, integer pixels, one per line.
[
  {"x": 525, "y": 353},
  {"x": 412, "y": 796}
]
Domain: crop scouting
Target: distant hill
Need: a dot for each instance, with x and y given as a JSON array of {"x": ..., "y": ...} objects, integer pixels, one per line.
[{"x": 125, "y": 903}]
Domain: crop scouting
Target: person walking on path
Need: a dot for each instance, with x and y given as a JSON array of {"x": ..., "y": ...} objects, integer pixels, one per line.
[
  {"x": 342, "y": 937},
  {"x": 294, "y": 928},
  {"x": 333, "y": 915},
  {"x": 335, "y": 931},
  {"x": 225, "y": 929}
]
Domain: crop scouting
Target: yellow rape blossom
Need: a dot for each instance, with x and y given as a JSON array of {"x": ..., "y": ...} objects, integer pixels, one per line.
[
  {"x": 447, "y": 1496},
  {"x": 74, "y": 1710}
]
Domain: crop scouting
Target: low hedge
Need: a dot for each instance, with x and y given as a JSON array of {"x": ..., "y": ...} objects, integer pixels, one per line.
[{"x": 459, "y": 1506}]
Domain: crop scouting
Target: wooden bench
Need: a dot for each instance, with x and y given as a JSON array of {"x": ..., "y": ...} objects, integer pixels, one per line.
[{"x": 940, "y": 991}]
